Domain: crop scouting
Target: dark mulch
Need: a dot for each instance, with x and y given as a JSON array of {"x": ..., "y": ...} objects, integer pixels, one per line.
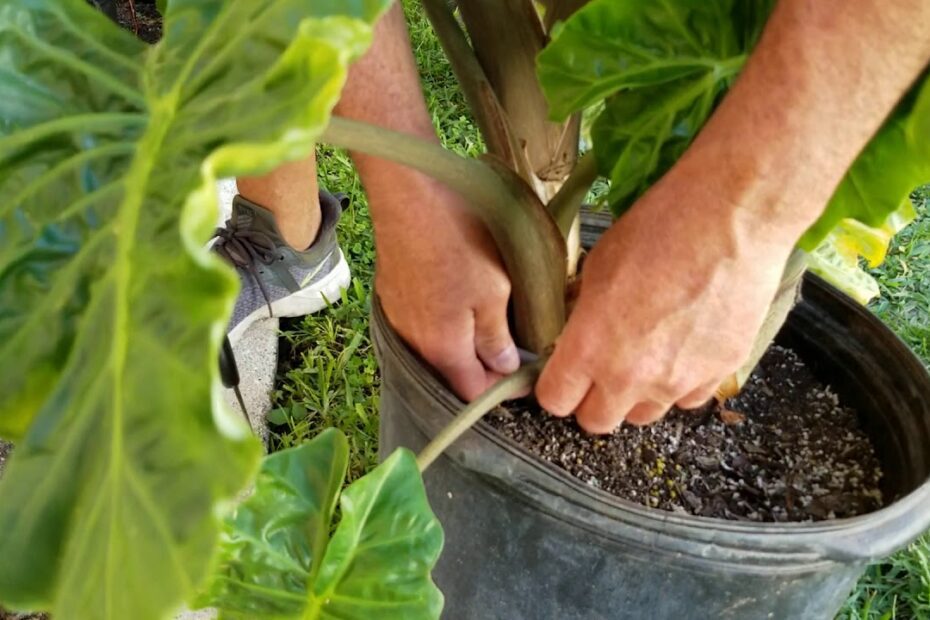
[
  {"x": 148, "y": 22},
  {"x": 5, "y": 450},
  {"x": 785, "y": 449},
  {"x": 9, "y": 615},
  {"x": 137, "y": 16}
]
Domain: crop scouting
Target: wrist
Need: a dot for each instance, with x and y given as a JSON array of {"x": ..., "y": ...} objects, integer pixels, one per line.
[
  {"x": 413, "y": 209},
  {"x": 767, "y": 192}
]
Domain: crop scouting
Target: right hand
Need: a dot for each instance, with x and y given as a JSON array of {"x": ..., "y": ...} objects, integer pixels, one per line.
[{"x": 442, "y": 285}]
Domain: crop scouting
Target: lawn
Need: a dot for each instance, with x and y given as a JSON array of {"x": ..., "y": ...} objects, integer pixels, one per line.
[{"x": 328, "y": 375}]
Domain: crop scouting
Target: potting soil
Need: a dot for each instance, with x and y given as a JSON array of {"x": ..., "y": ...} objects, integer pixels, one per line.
[{"x": 785, "y": 449}]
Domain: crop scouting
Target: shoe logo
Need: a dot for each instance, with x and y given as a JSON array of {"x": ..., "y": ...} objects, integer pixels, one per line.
[{"x": 309, "y": 277}]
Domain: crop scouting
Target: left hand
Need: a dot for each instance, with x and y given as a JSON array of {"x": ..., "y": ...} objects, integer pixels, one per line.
[{"x": 671, "y": 300}]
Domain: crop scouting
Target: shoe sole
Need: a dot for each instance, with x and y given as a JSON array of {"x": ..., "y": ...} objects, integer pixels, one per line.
[{"x": 305, "y": 301}]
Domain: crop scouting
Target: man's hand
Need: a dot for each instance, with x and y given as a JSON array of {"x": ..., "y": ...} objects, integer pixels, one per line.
[
  {"x": 439, "y": 277},
  {"x": 673, "y": 295},
  {"x": 443, "y": 287},
  {"x": 671, "y": 300}
]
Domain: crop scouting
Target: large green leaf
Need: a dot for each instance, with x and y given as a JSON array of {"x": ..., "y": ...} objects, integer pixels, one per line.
[
  {"x": 662, "y": 68},
  {"x": 614, "y": 45},
  {"x": 642, "y": 133},
  {"x": 276, "y": 539},
  {"x": 111, "y": 311},
  {"x": 278, "y": 560}
]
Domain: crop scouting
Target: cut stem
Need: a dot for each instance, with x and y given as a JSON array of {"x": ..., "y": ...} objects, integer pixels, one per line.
[{"x": 505, "y": 389}]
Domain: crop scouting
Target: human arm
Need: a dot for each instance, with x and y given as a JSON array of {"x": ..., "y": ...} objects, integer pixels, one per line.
[
  {"x": 674, "y": 294},
  {"x": 439, "y": 277}
]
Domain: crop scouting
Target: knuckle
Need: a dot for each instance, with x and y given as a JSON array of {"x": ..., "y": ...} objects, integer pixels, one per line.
[
  {"x": 499, "y": 288},
  {"x": 493, "y": 340},
  {"x": 549, "y": 400},
  {"x": 596, "y": 425},
  {"x": 675, "y": 387}
]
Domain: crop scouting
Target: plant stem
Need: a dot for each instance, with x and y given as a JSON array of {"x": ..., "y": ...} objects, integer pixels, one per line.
[
  {"x": 566, "y": 204},
  {"x": 469, "y": 177},
  {"x": 505, "y": 389},
  {"x": 506, "y": 37},
  {"x": 490, "y": 116},
  {"x": 528, "y": 240}
]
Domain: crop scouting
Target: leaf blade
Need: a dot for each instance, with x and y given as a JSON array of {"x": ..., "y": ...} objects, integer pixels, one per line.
[
  {"x": 123, "y": 446},
  {"x": 276, "y": 539},
  {"x": 385, "y": 516}
]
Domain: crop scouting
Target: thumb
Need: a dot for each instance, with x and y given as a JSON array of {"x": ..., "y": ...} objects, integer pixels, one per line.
[{"x": 493, "y": 342}]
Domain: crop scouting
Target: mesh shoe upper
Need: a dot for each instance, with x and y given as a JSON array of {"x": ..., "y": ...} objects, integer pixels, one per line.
[{"x": 270, "y": 270}]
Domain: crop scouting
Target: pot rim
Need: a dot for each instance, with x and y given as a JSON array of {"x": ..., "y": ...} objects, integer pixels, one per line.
[{"x": 855, "y": 543}]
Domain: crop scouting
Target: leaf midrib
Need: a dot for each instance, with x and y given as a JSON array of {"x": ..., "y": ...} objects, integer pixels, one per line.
[
  {"x": 137, "y": 179},
  {"x": 316, "y": 601}
]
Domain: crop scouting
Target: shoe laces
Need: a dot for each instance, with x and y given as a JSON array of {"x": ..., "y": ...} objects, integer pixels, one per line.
[{"x": 243, "y": 248}]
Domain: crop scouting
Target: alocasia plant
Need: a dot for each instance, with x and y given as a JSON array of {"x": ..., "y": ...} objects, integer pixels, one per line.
[
  {"x": 111, "y": 309},
  {"x": 278, "y": 559},
  {"x": 659, "y": 69}
]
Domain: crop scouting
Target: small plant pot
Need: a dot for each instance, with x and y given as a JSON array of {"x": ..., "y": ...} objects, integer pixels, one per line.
[{"x": 525, "y": 540}]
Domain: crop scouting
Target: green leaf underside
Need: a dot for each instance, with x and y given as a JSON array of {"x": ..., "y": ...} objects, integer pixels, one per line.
[
  {"x": 277, "y": 558},
  {"x": 642, "y": 133},
  {"x": 111, "y": 311},
  {"x": 662, "y": 68}
]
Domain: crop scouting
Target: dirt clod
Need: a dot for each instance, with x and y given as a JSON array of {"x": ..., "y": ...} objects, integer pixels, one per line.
[
  {"x": 785, "y": 449},
  {"x": 730, "y": 417}
]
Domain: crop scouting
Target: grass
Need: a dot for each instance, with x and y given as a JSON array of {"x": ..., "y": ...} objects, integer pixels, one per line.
[
  {"x": 900, "y": 586},
  {"x": 329, "y": 378}
]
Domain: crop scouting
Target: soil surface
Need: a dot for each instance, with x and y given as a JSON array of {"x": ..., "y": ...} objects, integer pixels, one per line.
[{"x": 785, "y": 449}]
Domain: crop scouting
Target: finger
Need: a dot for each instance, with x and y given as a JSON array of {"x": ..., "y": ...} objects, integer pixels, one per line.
[
  {"x": 466, "y": 377},
  {"x": 493, "y": 342},
  {"x": 454, "y": 357},
  {"x": 699, "y": 397},
  {"x": 561, "y": 386},
  {"x": 647, "y": 413},
  {"x": 600, "y": 412}
]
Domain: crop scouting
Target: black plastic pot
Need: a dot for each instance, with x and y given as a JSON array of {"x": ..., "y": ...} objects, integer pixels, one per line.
[{"x": 525, "y": 540}]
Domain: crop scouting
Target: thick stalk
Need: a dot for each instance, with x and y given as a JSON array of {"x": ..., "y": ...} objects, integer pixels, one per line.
[
  {"x": 509, "y": 387},
  {"x": 507, "y": 36},
  {"x": 490, "y": 116},
  {"x": 529, "y": 242}
]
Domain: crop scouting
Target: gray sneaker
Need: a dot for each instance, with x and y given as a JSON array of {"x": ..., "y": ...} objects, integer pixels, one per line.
[{"x": 278, "y": 281}]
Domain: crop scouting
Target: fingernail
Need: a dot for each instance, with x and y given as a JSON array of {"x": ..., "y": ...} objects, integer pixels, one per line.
[{"x": 507, "y": 361}]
